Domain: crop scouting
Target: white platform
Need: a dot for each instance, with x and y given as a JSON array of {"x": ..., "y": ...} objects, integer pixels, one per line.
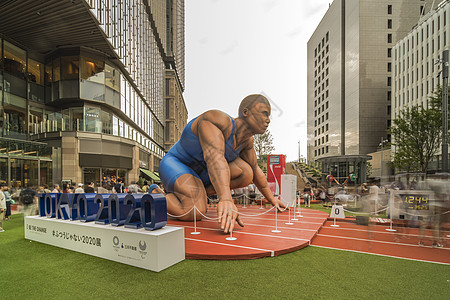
[{"x": 151, "y": 250}]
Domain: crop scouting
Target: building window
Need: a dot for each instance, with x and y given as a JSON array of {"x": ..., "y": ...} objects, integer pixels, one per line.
[
  {"x": 389, "y": 81},
  {"x": 389, "y": 24},
  {"x": 389, "y": 38},
  {"x": 389, "y": 67},
  {"x": 389, "y": 95},
  {"x": 389, "y": 9},
  {"x": 389, "y": 52}
]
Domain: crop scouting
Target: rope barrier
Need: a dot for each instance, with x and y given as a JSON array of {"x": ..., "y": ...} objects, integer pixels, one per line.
[
  {"x": 182, "y": 214},
  {"x": 246, "y": 215},
  {"x": 206, "y": 216},
  {"x": 369, "y": 213}
]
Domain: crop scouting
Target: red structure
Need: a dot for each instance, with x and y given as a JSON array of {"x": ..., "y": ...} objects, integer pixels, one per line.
[{"x": 276, "y": 165}]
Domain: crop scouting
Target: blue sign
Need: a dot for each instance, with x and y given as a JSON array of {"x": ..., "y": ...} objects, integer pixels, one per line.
[
  {"x": 275, "y": 160},
  {"x": 131, "y": 210}
]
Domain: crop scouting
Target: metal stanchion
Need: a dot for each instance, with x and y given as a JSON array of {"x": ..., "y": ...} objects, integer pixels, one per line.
[
  {"x": 299, "y": 208},
  {"x": 195, "y": 222},
  {"x": 334, "y": 222},
  {"x": 276, "y": 222},
  {"x": 390, "y": 226},
  {"x": 289, "y": 223},
  {"x": 231, "y": 237},
  {"x": 295, "y": 208}
]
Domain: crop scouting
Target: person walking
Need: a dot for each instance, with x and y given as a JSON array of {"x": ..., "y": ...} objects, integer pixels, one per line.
[
  {"x": 307, "y": 195},
  {"x": 28, "y": 199}
]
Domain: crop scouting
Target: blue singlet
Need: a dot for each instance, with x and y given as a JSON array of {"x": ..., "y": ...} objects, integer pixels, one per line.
[{"x": 186, "y": 157}]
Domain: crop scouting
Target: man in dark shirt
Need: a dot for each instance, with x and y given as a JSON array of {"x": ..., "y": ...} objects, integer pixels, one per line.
[
  {"x": 90, "y": 188},
  {"x": 118, "y": 187}
]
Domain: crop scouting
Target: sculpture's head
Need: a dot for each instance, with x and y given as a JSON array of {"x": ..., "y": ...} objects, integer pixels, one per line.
[{"x": 255, "y": 111}]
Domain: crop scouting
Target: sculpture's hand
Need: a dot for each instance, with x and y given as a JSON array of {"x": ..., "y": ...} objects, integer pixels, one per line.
[
  {"x": 227, "y": 212},
  {"x": 278, "y": 204}
]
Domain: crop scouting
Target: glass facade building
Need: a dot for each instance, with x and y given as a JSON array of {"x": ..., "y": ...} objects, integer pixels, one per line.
[
  {"x": 349, "y": 73},
  {"x": 416, "y": 68},
  {"x": 92, "y": 92}
]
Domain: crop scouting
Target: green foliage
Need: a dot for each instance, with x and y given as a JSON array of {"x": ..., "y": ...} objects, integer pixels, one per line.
[
  {"x": 263, "y": 144},
  {"x": 416, "y": 136},
  {"x": 368, "y": 169}
]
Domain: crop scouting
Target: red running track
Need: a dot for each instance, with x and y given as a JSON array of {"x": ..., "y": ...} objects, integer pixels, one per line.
[
  {"x": 374, "y": 239},
  {"x": 256, "y": 239}
]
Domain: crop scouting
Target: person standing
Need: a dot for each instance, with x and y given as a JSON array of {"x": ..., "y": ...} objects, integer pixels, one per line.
[
  {"x": 118, "y": 187},
  {"x": 2, "y": 208},
  {"x": 9, "y": 201},
  {"x": 56, "y": 189},
  {"x": 79, "y": 189},
  {"x": 307, "y": 195},
  {"x": 90, "y": 188}
]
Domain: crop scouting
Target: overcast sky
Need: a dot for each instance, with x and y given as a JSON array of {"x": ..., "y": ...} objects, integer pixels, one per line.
[{"x": 239, "y": 47}]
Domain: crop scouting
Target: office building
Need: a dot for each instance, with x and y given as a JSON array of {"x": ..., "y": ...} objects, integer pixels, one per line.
[
  {"x": 416, "y": 62},
  {"x": 83, "y": 88},
  {"x": 349, "y": 74}
]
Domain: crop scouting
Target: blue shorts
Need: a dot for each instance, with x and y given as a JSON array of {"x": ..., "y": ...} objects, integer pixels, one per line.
[{"x": 171, "y": 168}]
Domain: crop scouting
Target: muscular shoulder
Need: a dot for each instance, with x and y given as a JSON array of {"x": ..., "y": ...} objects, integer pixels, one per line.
[{"x": 218, "y": 118}]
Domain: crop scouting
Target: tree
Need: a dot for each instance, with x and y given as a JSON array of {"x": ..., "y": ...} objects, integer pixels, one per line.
[
  {"x": 263, "y": 144},
  {"x": 416, "y": 136}
]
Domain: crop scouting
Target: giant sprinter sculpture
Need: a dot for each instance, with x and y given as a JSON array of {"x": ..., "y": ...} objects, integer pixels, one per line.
[{"x": 214, "y": 155}]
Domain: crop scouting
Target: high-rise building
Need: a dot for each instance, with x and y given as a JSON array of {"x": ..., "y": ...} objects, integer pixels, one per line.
[
  {"x": 82, "y": 88},
  {"x": 416, "y": 62},
  {"x": 349, "y": 74}
]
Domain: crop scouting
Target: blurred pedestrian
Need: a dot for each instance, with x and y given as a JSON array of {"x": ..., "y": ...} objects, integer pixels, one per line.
[
  {"x": 145, "y": 187},
  {"x": 79, "y": 189},
  {"x": 8, "y": 200},
  {"x": 56, "y": 189},
  {"x": 133, "y": 188},
  {"x": 90, "y": 188},
  {"x": 2, "y": 208},
  {"x": 46, "y": 189},
  {"x": 119, "y": 188},
  {"x": 28, "y": 200},
  {"x": 307, "y": 194}
]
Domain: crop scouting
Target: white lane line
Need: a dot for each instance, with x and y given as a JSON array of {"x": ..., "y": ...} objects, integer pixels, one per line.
[
  {"x": 380, "y": 231},
  {"x": 265, "y": 225},
  {"x": 375, "y": 241},
  {"x": 251, "y": 233},
  {"x": 371, "y": 253},
  {"x": 272, "y": 252}
]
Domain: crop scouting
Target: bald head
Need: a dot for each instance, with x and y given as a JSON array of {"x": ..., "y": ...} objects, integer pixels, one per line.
[{"x": 250, "y": 101}]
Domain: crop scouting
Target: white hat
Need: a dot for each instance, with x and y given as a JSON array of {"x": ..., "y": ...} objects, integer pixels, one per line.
[{"x": 80, "y": 184}]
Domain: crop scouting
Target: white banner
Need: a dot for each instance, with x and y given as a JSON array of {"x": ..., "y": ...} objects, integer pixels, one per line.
[{"x": 152, "y": 250}]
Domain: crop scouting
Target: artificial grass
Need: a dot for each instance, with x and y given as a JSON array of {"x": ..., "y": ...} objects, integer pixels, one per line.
[{"x": 31, "y": 270}]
